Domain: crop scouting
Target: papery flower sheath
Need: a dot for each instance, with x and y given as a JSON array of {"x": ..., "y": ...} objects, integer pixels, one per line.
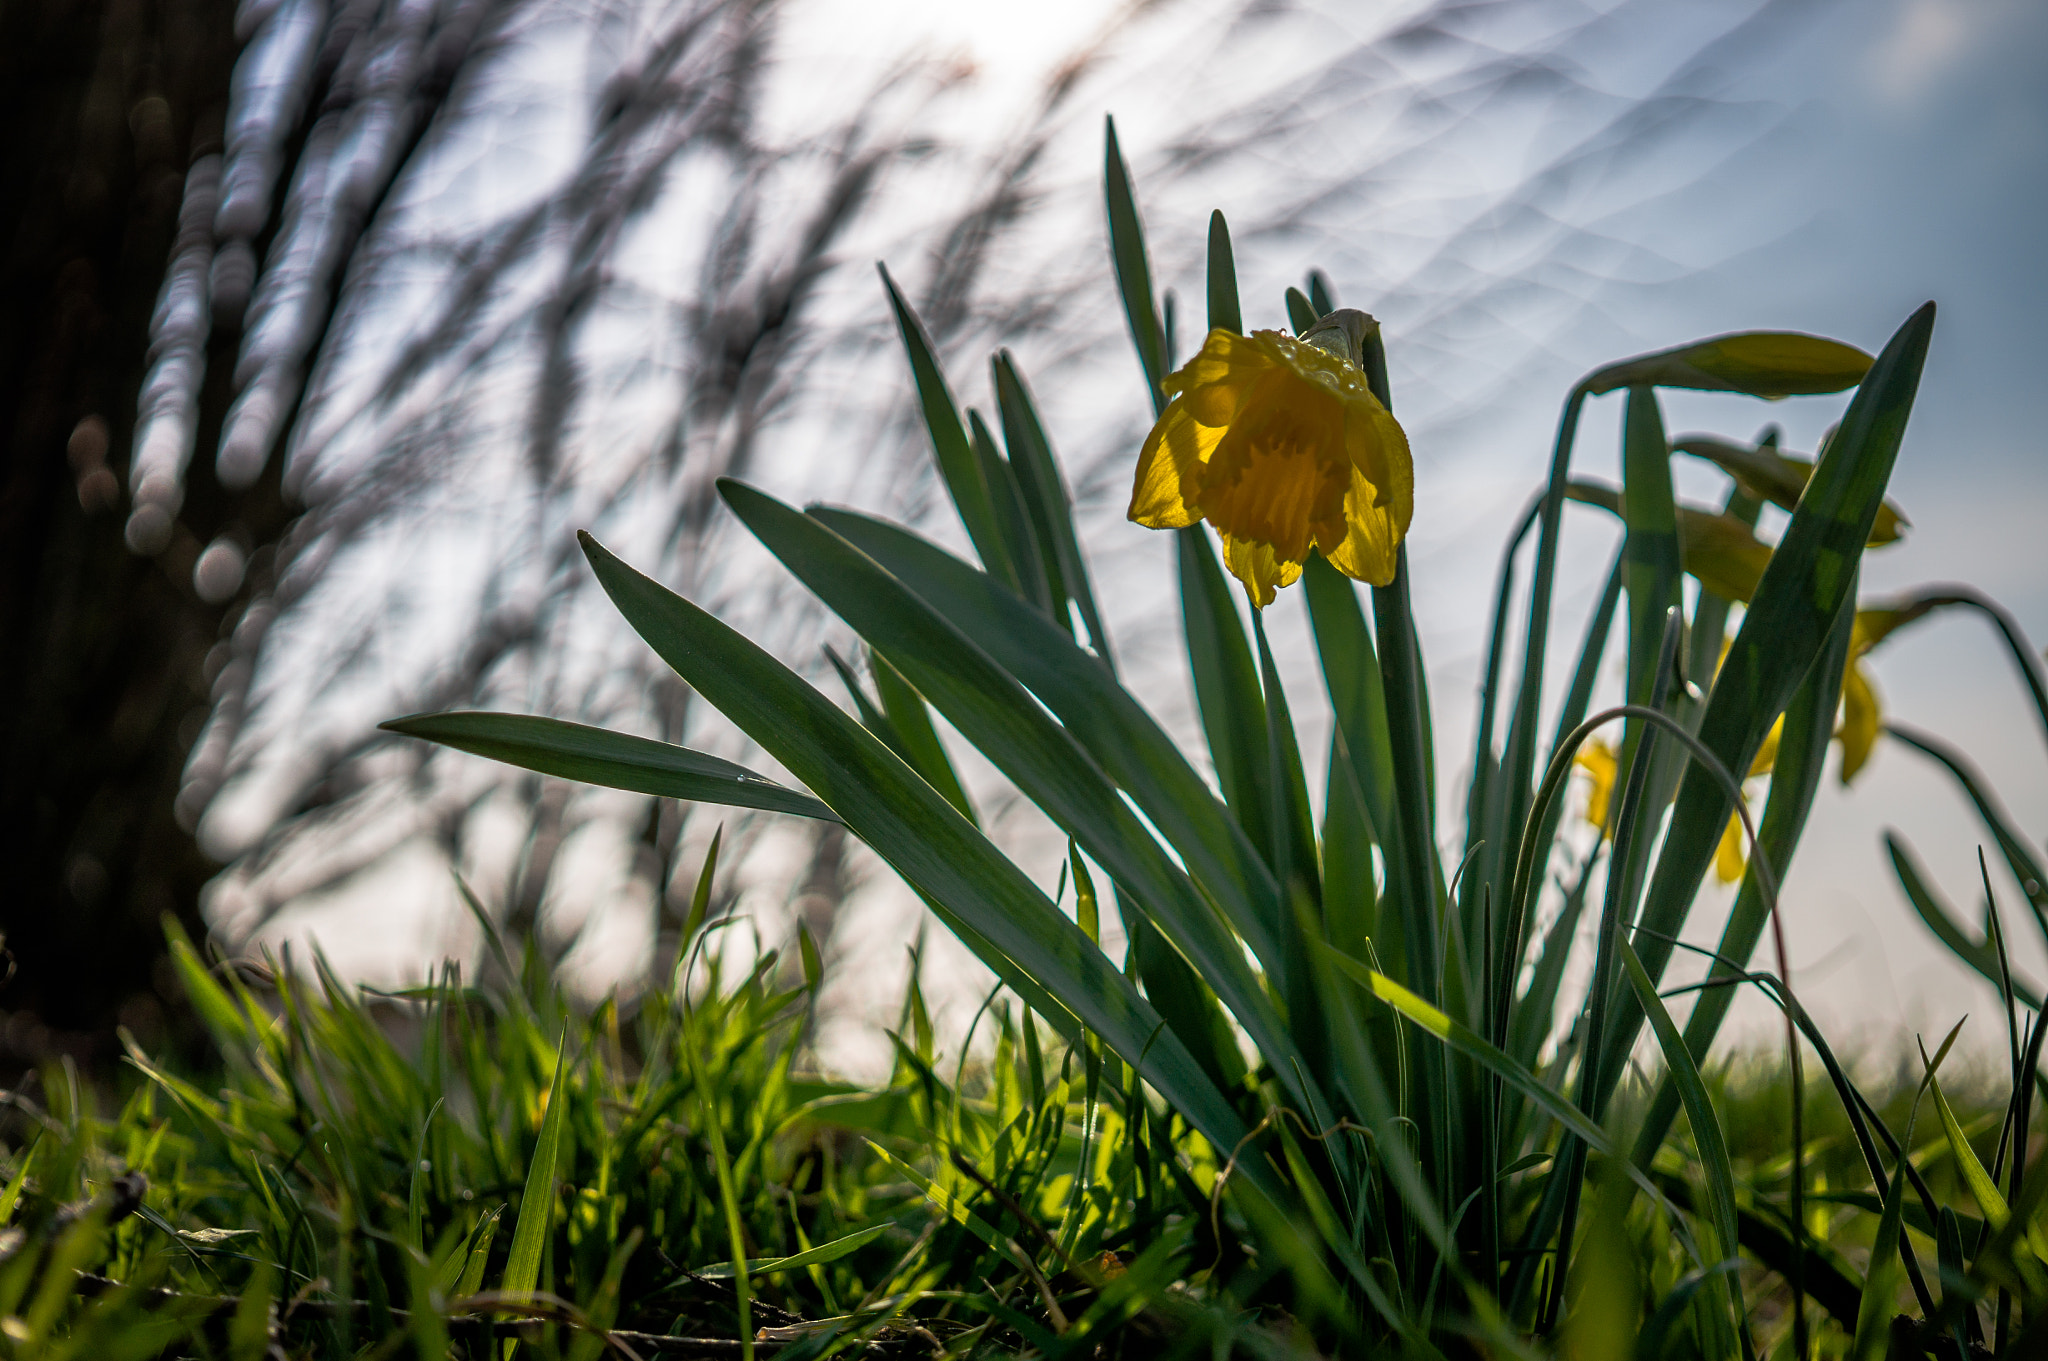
[{"x": 1282, "y": 447}]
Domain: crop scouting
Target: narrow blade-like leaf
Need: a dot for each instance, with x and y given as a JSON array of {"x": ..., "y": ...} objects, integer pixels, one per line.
[{"x": 612, "y": 759}]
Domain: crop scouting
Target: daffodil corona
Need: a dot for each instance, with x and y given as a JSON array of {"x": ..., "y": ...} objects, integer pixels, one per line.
[{"x": 1281, "y": 446}]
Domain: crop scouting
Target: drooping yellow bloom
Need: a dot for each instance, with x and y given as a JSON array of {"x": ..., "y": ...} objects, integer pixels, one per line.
[
  {"x": 1597, "y": 759},
  {"x": 1282, "y": 447},
  {"x": 1861, "y": 721},
  {"x": 1731, "y": 857}
]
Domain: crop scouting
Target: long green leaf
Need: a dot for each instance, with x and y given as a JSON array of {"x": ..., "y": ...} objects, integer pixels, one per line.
[
  {"x": 1227, "y": 694},
  {"x": 1810, "y": 581},
  {"x": 1802, "y": 755},
  {"x": 1123, "y": 738},
  {"x": 2019, "y": 856},
  {"x": 1707, "y": 1134},
  {"x": 913, "y": 725},
  {"x": 993, "y": 711},
  {"x": 1941, "y": 920},
  {"x": 1649, "y": 508},
  {"x": 463, "y": 1273},
  {"x": 1050, "y": 503},
  {"x": 912, "y": 827},
  {"x": 1012, "y": 517},
  {"x": 1224, "y": 311},
  {"x": 1461, "y": 1038},
  {"x": 959, "y": 467},
  {"x": 612, "y": 759},
  {"x": 1133, "y": 269},
  {"x": 1351, "y": 673},
  {"x": 1350, "y": 896}
]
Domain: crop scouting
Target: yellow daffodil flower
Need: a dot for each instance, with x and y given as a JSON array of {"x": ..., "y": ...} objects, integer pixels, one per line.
[
  {"x": 1279, "y": 443},
  {"x": 1731, "y": 857},
  {"x": 1861, "y": 721},
  {"x": 1597, "y": 759}
]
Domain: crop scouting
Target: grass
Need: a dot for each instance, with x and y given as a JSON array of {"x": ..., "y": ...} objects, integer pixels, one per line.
[{"x": 1335, "y": 1098}]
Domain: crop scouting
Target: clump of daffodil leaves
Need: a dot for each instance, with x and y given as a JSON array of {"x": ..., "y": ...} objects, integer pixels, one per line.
[
  {"x": 1343, "y": 1085},
  {"x": 1281, "y": 446}
]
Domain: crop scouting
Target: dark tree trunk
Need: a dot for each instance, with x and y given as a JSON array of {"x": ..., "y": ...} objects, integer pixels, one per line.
[{"x": 103, "y": 105}]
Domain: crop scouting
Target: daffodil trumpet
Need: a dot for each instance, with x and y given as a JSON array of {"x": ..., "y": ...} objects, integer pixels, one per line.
[{"x": 1279, "y": 443}]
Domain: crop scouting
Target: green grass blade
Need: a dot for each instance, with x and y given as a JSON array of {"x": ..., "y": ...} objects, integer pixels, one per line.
[
  {"x": 709, "y": 1100},
  {"x": 1484, "y": 804},
  {"x": 1880, "y": 1286},
  {"x": 1133, "y": 269},
  {"x": 1413, "y": 836},
  {"x": 1810, "y": 581},
  {"x": 1652, "y": 576},
  {"x": 1124, "y": 740},
  {"x": 11, "y": 1195},
  {"x": 1224, "y": 312},
  {"x": 614, "y": 760},
  {"x": 817, "y": 1256},
  {"x": 1405, "y": 690},
  {"x": 1518, "y": 755},
  {"x": 1982, "y": 1188},
  {"x": 913, "y": 828},
  {"x": 1533, "y": 1018},
  {"x": 1294, "y": 858},
  {"x": 463, "y": 1273},
  {"x": 959, "y": 468},
  {"x": 231, "y": 1028},
  {"x": 537, "y": 1202},
  {"x": 1514, "y": 929},
  {"x": 1462, "y": 1039}
]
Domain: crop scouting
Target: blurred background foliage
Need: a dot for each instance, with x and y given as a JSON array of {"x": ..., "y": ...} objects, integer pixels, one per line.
[{"x": 325, "y": 323}]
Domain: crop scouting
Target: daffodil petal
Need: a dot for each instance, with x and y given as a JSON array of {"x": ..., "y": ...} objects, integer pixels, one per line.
[
  {"x": 1170, "y": 469},
  {"x": 1861, "y": 717},
  {"x": 1729, "y": 857},
  {"x": 1215, "y": 383},
  {"x": 1370, "y": 547},
  {"x": 1260, "y": 568},
  {"x": 1378, "y": 450},
  {"x": 1767, "y": 754},
  {"x": 1597, "y": 759}
]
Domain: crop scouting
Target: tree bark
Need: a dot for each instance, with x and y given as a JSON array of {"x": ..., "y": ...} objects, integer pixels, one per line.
[{"x": 105, "y": 104}]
